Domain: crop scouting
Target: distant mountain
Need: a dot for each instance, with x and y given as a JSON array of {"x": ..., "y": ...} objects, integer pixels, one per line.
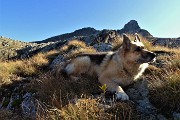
[
  {"x": 84, "y": 32},
  {"x": 131, "y": 27}
]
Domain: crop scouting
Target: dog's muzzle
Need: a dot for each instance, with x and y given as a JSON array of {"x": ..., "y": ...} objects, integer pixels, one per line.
[{"x": 149, "y": 57}]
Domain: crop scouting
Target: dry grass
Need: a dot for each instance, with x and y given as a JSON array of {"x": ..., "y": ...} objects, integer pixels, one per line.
[
  {"x": 60, "y": 94},
  {"x": 74, "y": 48},
  {"x": 85, "y": 109},
  {"x": 89, "y": 109},
  {"x": 13, "y": 69},
  {"x": 55, "y": 93},
  {"x": 76, "y": 52},
  {"x": 8, "y": 115},
  {"x": 73, "y": 44},
  {"x": 51, "y": 55},
  {"x": 165, "y": 92},
  {"x": 27, "y": 67},
  {"x": 92, "y": 109},
  {"x": 49, "y": 84},
  {"x": 165, "y": 83},
  {"x": 124, "y": 111}
]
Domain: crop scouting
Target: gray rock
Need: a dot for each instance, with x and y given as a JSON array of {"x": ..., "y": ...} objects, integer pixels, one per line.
[
  {"x": 28, "y": 106},
  {"x": 58, "y": 60},
  {"x": 102, "y": 47},
  {"x": 12, "y": 101},
  {"x": 176, "y": 116},
  {"x": 146, "y": 107},
  {"x": 168, "y": 42},
  {"x": 138, "y": 93},
  {"x": 105, "y": 36},
  {"x": 161, "y": 117}
]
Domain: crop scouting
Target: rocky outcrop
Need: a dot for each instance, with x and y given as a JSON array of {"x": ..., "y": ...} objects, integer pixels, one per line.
[
  {"x": 167, "y": 42},
  {"x": 103, "y": 47},
  {"x": 9, "y": 47},
  {"x": 15, "y": 96},
  {"x": 29, "y": 51},
  {"x": 13, "y": 49},
  {"x": 106, "y": 36}
]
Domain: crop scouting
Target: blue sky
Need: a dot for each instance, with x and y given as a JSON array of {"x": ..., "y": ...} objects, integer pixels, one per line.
[{"x": 32, "y": 20}]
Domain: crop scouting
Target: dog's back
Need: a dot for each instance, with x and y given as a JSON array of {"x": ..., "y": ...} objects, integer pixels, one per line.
[{"x": 84, "y": 63}]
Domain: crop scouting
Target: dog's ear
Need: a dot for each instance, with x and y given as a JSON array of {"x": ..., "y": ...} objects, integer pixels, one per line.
[
  {"x": 126, "y": 42},
  {"x": 137, "y": 38}
]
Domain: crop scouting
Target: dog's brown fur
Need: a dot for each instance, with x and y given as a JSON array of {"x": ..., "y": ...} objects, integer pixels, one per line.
[{"x": 115, "y": 69}]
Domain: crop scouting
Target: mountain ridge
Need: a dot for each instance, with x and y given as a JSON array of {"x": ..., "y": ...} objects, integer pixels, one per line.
[{"x": 130, "y": 28}]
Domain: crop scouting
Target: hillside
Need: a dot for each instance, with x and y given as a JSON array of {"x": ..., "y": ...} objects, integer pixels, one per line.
[
  {"x": 9, "y": 47},
  {"x": 13, "y": 49},
  {"x": 32, "y": 86}
]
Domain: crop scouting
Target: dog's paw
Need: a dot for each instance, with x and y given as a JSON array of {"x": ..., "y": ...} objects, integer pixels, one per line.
[{"x": 122, "y": 96}]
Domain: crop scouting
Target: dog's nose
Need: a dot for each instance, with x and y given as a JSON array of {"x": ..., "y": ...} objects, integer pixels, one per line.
[{"x": 151, "y": 55}]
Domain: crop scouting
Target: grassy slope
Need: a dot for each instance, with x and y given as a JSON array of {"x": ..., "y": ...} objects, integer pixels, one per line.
[{"x": 57, "y": 92}]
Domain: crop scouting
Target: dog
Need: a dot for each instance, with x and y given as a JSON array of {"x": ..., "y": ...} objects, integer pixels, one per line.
[{"x": 116, "y": 69}]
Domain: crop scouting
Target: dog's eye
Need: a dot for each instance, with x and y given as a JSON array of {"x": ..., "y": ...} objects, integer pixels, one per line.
[{"x": 138, "y": 49}]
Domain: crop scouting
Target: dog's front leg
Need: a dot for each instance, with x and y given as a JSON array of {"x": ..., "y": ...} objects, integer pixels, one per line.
[
  {"x": 120, "y": 94},
  {"x": 113, "y": 86}
]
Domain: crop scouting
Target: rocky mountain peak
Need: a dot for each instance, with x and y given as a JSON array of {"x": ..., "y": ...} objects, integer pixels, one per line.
[{"x": 132, "y": 26}]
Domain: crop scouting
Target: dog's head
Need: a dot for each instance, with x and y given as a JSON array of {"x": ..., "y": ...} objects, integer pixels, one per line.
[{"x": 135, "y": 52}]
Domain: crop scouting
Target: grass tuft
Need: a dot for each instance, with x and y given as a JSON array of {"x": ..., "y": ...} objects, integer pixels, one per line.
[
  {"x": 165, "y": 92},
  {"x": 85, "y": 109},
  {"x": 27, "y": 67},
  {"x": 9, "y": 115},
  {"x": 73, "y": 44},
  {"x": 165, "y": 83}
]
